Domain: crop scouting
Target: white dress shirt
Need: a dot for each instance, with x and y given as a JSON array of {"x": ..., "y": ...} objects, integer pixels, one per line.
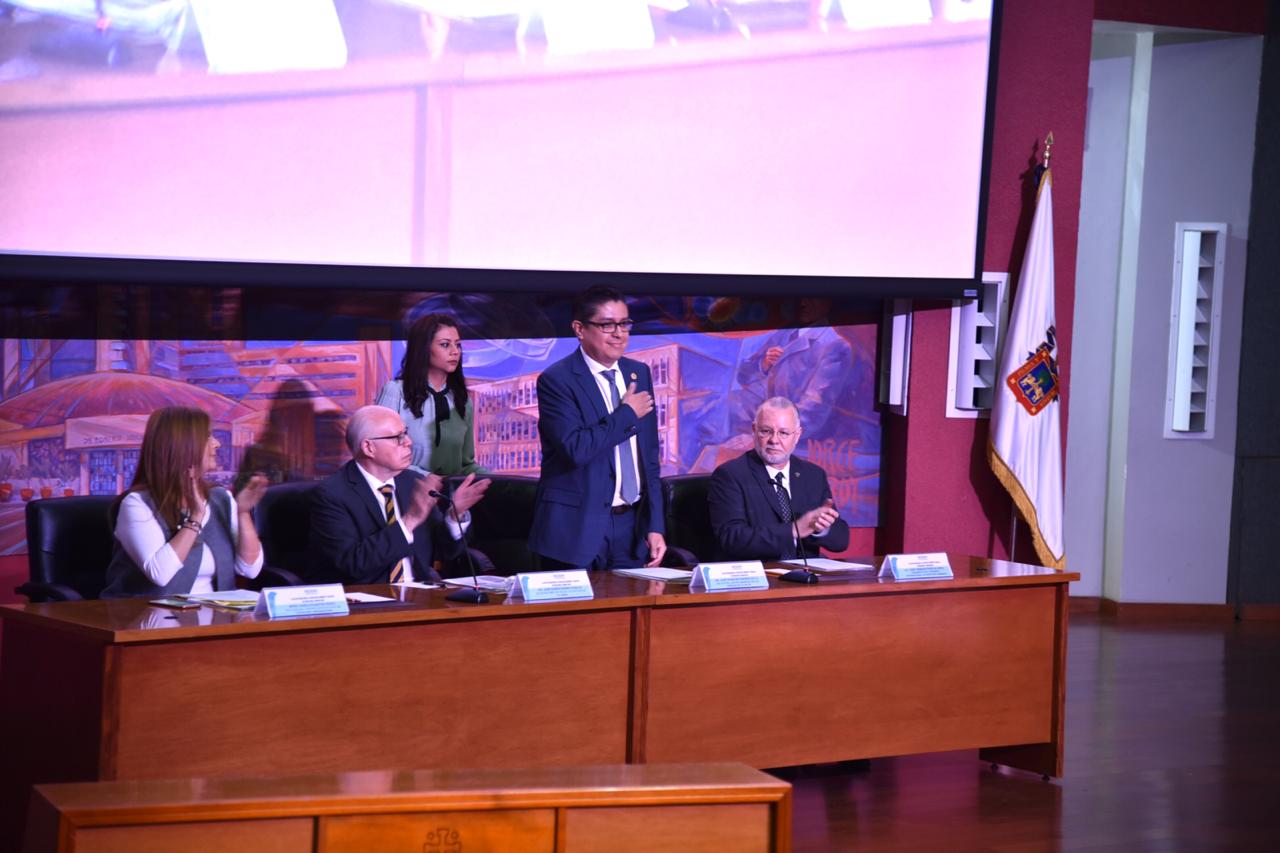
[
  {"x": 602, "y": 383},
  {"x": 786, "y": 484},
  {"x": 146, "y": 540},
  {"x": 455, "y": 530}
]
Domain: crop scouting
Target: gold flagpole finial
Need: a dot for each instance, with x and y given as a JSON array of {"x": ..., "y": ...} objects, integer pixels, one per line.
[{"x": 1048, "y": 148}]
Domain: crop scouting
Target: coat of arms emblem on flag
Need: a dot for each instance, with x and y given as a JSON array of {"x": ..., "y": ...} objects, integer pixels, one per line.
[{"x": 1035, "y": 383}]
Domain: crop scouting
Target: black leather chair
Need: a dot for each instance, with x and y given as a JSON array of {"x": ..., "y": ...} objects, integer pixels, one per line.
[
  {"x": 688, "y": 517},
  {"x": 499, "y": 531},
  {"x": 283, "y": 518},
  {"x": 69, "y": 543}
]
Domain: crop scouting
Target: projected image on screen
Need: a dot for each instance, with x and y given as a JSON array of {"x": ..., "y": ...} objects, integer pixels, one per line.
[{"x": 770, "y": 137}]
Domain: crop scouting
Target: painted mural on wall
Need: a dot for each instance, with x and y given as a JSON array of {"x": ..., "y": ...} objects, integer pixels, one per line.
[{"x": 72, "y": 411}]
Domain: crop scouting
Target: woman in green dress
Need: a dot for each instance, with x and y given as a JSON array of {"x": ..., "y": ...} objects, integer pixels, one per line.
[{"x": 430, "y": 394}]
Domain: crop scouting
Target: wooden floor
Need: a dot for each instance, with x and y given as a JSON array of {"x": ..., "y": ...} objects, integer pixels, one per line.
[{"x": 1172, "y": 744}]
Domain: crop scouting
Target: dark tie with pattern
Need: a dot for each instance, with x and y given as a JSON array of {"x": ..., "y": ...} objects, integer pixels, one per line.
[
  {"x": 630, "y": 488},
  {"x": 388, "y": 499},
  {"x": 784, "y": 504},
  {"x": 784, "y": 500}
]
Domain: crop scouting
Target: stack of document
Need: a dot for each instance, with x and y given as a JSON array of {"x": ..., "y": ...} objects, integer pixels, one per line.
[
  {"x": 656, "y": 574},
  {"x": 227, "y": 599},
  {"x": 491, "y": 583},
  {"x": 824, "y": 565}
]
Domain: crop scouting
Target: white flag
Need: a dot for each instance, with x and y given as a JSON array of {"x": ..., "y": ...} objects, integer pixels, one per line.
[{"x": 1026, "y": 437}]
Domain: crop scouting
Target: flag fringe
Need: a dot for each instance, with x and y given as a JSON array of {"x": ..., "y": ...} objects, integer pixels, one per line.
[{"x": 1028, "y": 509}]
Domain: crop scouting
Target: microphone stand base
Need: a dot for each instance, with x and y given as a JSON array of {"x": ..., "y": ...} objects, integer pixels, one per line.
[
  {"x": 468, "y": 595},
  {"x": 799, "y": 576}
]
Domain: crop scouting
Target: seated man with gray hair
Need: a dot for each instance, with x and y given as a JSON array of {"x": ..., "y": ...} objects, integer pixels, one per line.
[
  {"x": 375, "y": 521},
  {"x": 768, "y": 504}
]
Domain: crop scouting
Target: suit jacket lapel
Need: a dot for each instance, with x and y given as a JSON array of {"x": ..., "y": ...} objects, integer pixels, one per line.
[
  {"x": 364, "y": 494},
  {"x": 629, "y": 368},
  {"x": 800, "y": 487},
  {"x": 588, "y": 386},
  {"x": 761, "y": 475},
  {"x": 404, "y": 486},
  {"x": 422, "y": 550}
]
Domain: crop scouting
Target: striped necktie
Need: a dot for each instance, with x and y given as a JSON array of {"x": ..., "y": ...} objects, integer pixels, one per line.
[{"x": 388, "y": 493}]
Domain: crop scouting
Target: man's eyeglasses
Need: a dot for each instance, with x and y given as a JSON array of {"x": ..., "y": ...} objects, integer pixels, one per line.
[
  {"x": 400, "y": 437},
  {"x": 612, "y": 326},
  {"x": 784, "y": 434}
]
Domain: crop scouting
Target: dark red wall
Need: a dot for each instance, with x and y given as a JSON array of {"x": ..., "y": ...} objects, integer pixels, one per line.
[
  {"x": 938, "y": 491},
  {"x": 1237, "y": 16}
]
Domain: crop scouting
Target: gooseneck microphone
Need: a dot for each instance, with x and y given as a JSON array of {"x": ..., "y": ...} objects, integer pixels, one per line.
[
  {"x": 804, "y": 575},
  {"x": 474, "y": 595}
]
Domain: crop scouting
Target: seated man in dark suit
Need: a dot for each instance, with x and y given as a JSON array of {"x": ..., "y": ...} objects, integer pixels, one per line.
[
  {"x": 374, "y": 521},
  {"x": 767, "y": 504}
]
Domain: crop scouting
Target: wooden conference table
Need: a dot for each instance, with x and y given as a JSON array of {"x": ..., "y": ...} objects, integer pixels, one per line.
[{"x": 644, "y": 672}]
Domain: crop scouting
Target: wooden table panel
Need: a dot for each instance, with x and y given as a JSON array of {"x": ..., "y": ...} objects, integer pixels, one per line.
[
  {"x": 792, "y": 682},
  {"x": 438, "y": 810},
  {"x": 690, "y": 829},
  {"x": 532, "y": 830},
  {"x": 482, "y": 693},
  {"x": 51, "y": 686},
  {"x": 260, "y": 836}
]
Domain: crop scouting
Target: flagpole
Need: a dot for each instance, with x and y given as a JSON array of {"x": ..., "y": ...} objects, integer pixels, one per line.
[
  {"x": 1013, "y": 532},
  {"x": 1013, "y": 507}
]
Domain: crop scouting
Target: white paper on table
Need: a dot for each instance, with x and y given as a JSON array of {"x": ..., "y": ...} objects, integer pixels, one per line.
[
  {"x": 493, "y": 583},
  {"x": 823, "y": 564},
  {"x": 247, "y": 596},
  {"x": 656, "y": 574},
  {"x": 366, "y": 597}
]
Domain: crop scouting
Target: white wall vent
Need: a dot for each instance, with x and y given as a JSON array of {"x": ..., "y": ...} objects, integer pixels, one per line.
[
  {"x": 977, "y": 330},
  {"x": 1194, "y": 321},
  {"x": 895, "y": 355}
]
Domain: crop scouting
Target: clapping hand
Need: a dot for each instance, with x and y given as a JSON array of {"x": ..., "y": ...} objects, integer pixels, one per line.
[
  {"x": 818, "y": 520},
  {"x": 251, "y": 493},
  {"x": 468, "y": 494},
  {"x": 420, "y": 501}
]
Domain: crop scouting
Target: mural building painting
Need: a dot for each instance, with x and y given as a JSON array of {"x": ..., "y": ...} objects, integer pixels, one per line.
[{"x": 72, "y": 412}]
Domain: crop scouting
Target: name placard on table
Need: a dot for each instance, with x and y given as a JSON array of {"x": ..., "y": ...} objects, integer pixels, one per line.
[
  {"x": 721, "y": 577},
  {"x": 916, "y": 567},
  {"x": 552, "y": 586},
  {"x": 287, "y": 601}
]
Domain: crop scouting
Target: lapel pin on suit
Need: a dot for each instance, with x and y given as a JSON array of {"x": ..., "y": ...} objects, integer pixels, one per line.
[{"x": 633, "y": 377}]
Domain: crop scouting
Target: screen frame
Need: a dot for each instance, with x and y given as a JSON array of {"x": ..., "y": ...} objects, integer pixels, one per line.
[{"x": 18, "y": 269}]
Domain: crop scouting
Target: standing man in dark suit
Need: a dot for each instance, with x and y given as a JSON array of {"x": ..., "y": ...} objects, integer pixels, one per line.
[
  {"x": 599, "y": 500},
  {"x": 374, "y": 521},
  {"x": 760, "y": 500}
]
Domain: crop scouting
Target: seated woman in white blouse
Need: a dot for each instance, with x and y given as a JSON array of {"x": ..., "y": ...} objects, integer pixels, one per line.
[{"x": 175, "y": 533}]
